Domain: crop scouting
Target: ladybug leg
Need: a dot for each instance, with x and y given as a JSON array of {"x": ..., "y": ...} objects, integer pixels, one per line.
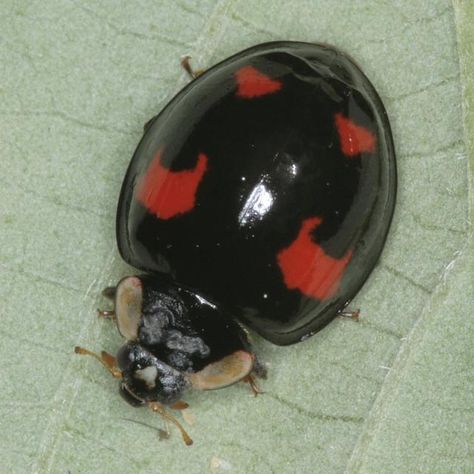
[
  {"x": 106, "y": 359},
  {"x": 188, "y": 68},
  {"x": 259, "y": 370},
  {"x": 163, "y": 434},
  {"x": 188, "y": 417},
  {"x": 179, "y": 405},
  {"x": 106, "y": 314},
  {"x": 250, "y": 379},
  {"x": 354, "y": 315},
  {"x": 158, "y": 408}
]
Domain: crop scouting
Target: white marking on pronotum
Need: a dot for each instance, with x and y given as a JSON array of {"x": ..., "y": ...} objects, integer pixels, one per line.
[{"x": 148, "y": 375}]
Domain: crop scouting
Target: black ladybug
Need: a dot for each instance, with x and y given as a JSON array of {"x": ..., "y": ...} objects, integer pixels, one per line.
[{"x": 263, "y": 194}]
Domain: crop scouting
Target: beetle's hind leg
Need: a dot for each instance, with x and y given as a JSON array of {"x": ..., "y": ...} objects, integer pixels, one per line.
[
  {"x": 259, "y": 371},
  {"x": 193, "y": 74},
  {"x": 250, "y": 379},
  {"x": 188, "y": 68},
  {"x": 354, "y": 315}
]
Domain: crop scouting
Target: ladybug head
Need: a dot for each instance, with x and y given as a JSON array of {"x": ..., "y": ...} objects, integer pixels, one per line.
[
  {"x": 144, "y": 376},
  {"x": 174, "y": 341}
]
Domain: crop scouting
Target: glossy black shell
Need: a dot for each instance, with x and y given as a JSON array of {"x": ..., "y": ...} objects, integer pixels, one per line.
[{"x": 280, "y": 174}]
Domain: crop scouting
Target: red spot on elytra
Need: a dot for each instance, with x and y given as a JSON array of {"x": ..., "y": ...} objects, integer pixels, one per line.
[
  {"x": 354, "y": 139},
  {"x": 253, "y": 83},
  {"x": 306, "y": 267},
  {"x": 167, "y": 193}
]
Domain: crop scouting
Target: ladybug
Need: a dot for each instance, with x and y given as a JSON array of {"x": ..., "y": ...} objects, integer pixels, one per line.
[{"x": 261, "y": 195}]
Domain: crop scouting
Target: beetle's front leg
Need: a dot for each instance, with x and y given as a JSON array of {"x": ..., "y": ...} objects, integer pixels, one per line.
[
  {"x": 106, "y": 359},
  {"x": 250, "y": 379},
  {"x": 159, "y": 408}
]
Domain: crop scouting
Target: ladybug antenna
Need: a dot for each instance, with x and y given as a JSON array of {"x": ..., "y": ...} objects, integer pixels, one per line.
[
  {"x": 163, "y": 434},
  {"x": 158, "y": 408}
]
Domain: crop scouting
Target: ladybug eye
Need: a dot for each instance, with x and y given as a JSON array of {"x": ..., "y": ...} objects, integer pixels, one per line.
[{"x": 128, "y": 306}]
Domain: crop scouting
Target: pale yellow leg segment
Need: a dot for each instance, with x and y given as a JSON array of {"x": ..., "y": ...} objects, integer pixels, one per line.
[
  {"x": 106, "y": 359},
  {"x": 354, "y": 315},
  {"x": 158, "y": 408},
  {"x": 179, "y": 405},
  {"x": 188, "y": 68},
  {"x": 106, "y": 314},
  {"x": 250, "y": 379}
]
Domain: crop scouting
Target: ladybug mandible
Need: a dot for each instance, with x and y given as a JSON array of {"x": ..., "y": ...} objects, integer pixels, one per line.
[{"x": 262, "y": 193}]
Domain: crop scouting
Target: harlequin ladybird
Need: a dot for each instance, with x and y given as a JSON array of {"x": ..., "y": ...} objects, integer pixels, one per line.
[{"x": 262, "y": 193}]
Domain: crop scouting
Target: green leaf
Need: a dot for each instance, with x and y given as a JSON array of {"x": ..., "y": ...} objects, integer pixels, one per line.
[{"x": 392, "y": 393}]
